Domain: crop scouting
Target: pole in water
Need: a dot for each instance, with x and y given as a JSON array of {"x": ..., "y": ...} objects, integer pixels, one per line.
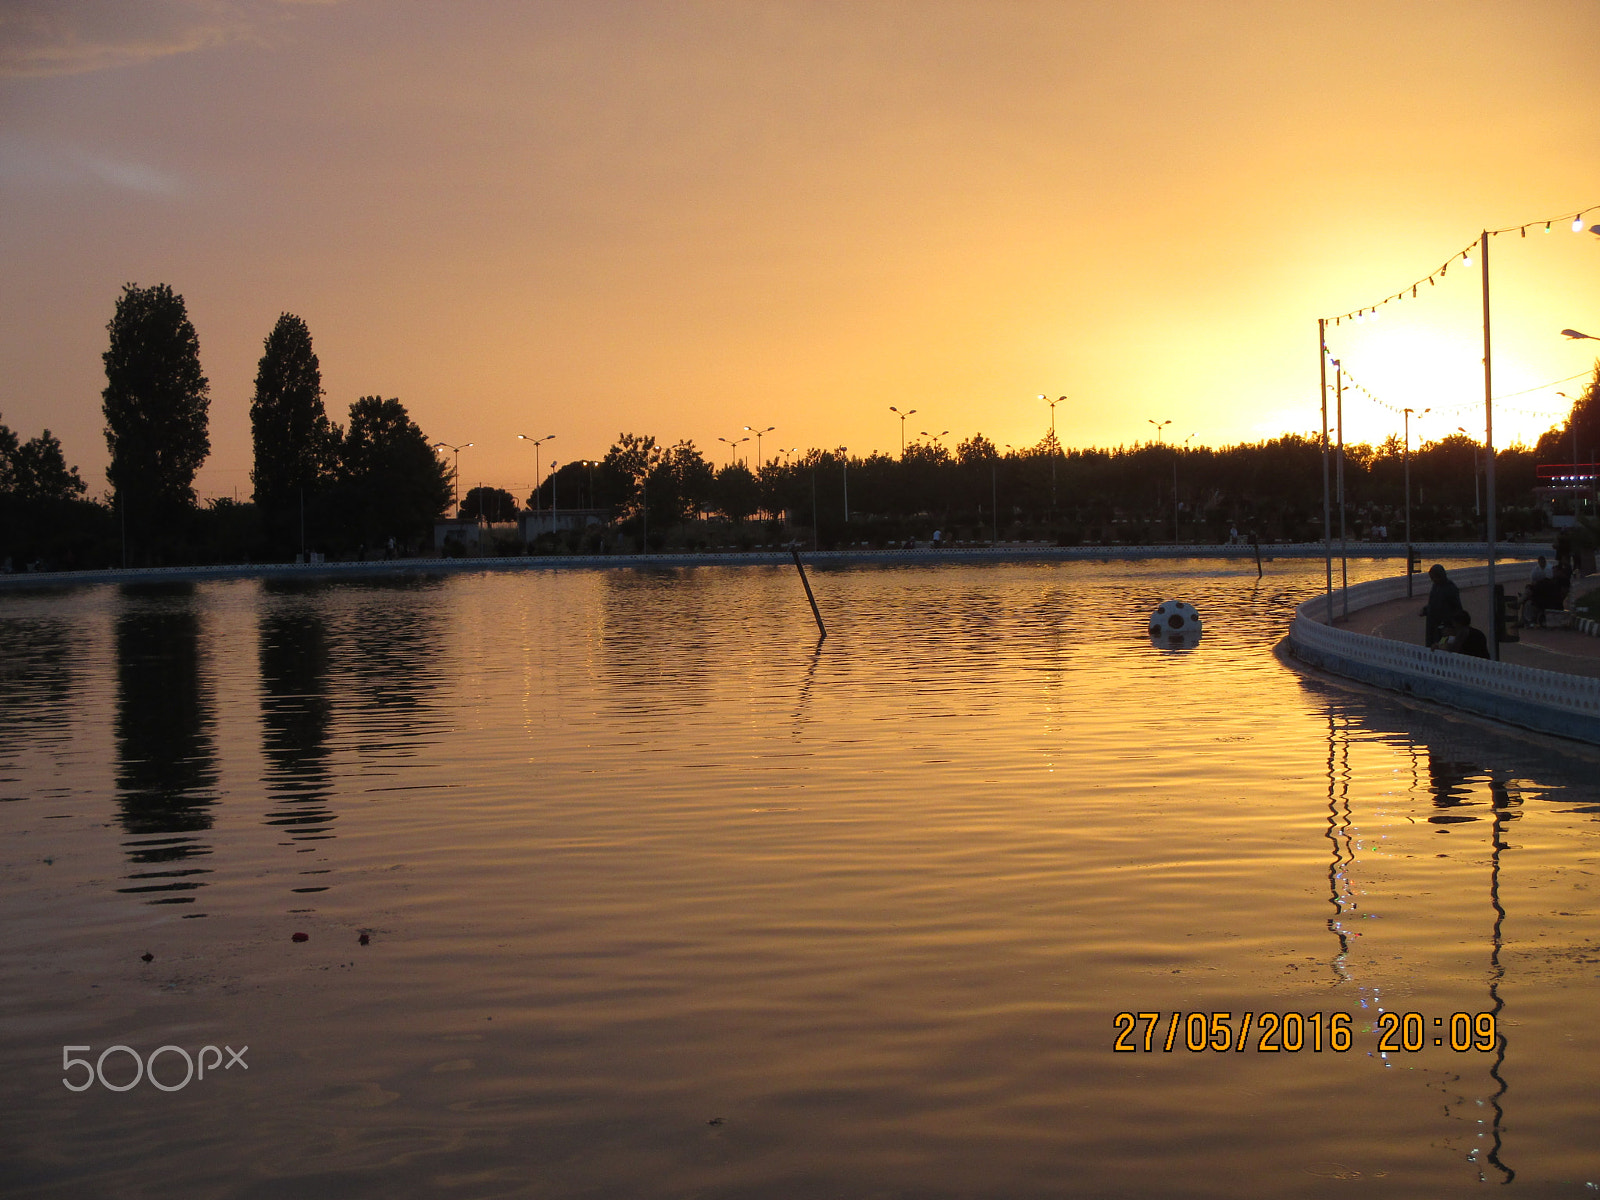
[{"x": 815, "y": 611}]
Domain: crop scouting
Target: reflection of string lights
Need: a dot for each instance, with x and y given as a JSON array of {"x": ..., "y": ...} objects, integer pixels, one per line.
[{"x": 1369, "y": 312}]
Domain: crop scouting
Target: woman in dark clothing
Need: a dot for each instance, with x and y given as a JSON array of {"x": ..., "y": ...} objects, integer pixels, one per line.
[{"x": 1444, "y": 602}]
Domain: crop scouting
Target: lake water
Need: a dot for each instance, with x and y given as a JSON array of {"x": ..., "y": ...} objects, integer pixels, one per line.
[{"x": 664, "y": 899}]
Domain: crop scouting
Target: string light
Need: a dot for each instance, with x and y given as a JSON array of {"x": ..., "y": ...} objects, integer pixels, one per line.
[{"x": 1362, "y": 315}]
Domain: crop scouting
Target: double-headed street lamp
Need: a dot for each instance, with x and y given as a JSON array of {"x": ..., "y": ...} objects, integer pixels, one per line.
[
  {"x": 758, "y": 433},
  {"x": 733, "y": 448},
  {"x": 1158, "y": 425},
  {"x": 1055, "y": 449},
  {"x": 455, "y": 472},
  {"x": 536, "y": 480},
  {"x": 934, "y": 436},
  {"x": 902, "y": 415}
]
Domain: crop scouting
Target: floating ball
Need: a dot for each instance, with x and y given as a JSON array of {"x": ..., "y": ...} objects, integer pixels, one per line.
[{"x": 1175, "y": 625}]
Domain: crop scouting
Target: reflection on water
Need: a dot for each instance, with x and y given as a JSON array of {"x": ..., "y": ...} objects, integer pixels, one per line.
[
  {"x": 296, "y": 714},
  {"x": 166, "y": 751},
  {"x": 667, "y": 898}
]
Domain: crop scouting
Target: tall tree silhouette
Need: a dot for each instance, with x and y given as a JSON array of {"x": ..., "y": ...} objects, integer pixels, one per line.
[
  {"x": 294, "y": 441},
  {"x": 156, "y": 404},
  {"x": 391, "y": 484}
]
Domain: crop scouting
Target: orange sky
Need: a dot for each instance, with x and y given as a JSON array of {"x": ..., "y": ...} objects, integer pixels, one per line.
[{"x": 683, "y": 218}]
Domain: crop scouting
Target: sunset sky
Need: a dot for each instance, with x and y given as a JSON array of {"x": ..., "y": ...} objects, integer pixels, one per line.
[{"x": 684, "y": 218}]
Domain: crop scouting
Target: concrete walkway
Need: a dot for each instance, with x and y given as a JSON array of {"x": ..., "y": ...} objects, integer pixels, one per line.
[{"x": 1564, "y": 650}]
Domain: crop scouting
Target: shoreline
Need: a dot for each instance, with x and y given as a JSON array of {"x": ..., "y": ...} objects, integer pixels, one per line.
[{"x": 1023, "y": 552}]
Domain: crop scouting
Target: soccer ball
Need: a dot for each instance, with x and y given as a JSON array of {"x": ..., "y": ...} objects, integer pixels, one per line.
[{"x": 1175, "y": 625}]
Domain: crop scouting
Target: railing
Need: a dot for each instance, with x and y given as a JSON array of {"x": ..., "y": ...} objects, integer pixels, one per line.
[{"x": 1549, "y": 701}]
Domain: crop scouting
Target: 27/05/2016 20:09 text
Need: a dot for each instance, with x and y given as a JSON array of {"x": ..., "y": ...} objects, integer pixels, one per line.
[{"x": 1292, "y": 1032}]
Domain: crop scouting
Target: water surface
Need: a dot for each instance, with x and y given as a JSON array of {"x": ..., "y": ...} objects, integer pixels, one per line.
[{"x": 665, "y": 899}]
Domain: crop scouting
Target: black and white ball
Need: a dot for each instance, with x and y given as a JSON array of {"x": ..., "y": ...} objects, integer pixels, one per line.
[{"x": 1175, "y": 624}]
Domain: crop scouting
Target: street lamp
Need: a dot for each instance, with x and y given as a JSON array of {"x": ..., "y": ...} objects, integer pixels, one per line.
[
  {"x": 934, "y": 436},
  {"x": 455, "y": 473},
  {"x": 1576, "y": 336},
  {"x": 902, "y": 416},
  {"x": 758, "y": 433},
  {"x": 1055, "y": 449},
  {"x": 844, "y": 460},
  {"x": 536, "y": 480},
  {"x": 733, "y": 448},
  {"x": 1158, "y": 425},
  {"x": 1420, "y": 414}
]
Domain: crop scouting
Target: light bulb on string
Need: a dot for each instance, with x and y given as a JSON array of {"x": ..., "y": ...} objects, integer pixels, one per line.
[
  {"x": 1577, "y": 224},
  {"x": 1373, "y": 316},
  {"x": 1547, "y": 226},
  {"x": 1466, "y": 260}
]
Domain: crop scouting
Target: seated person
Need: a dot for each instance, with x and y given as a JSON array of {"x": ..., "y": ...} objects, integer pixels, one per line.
[{"x": 1463, "y": 638}]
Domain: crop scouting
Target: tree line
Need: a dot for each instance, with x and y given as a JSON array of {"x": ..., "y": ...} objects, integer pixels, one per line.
[
  {"x": 374, "y": 485},
  {"x": 317, "y": 485}
]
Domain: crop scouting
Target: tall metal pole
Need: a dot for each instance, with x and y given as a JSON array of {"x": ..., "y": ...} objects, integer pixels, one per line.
[
  {"x": 1408, "y": 500},
  {"x": 1344, "y": 561},
  {"x": 994, "y": 498},
  {"x": 1488, "y": 442},
  {"x": 1327, "y": 513}
]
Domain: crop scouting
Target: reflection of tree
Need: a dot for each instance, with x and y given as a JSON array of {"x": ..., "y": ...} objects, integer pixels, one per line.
[
  {"x": 295, "y": 713},
  {"x": 166, "y": 764},
  {"x": 387, "y": 648},
  {"x": 36, "y": 681}
]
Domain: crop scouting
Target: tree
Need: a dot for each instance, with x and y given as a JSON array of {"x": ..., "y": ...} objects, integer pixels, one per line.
[
  {"x": 40, "y": 471},
  {"x": 626, "y": 466},
  {"x": 295, "y": 444},
  {"x": 8, "y": 459},
  {"x": 736, "y": 492},
  {"x": 156, "y": 403},
  {"x": 681, "y": 483},
  {"x": 489, "y": 503},
  {"x": 390, "y": 482},
  {"x": 1579, "y": 439}
]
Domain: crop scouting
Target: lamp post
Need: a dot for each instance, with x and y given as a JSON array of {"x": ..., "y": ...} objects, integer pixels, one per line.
[
  {"x": 1055, "y": 450},
  {"x": 733, "y": 448},
  {"x": 934, "y": 436},
  {"x": 758, "y": 433},
  {"x": 1571, "y": 421},
  {"x": 902, "y": 416},
  {"x": 536, "y": 480},
  {"x": 1420, "y": 415},
  {"x": 1159, "y": 425},
  {"x": 1477, "y": 509},
  {"x": 1576, "y": 336},
  {"x": 844, "y": 460},
  {"x": 455, "y": 472},
  {"x": 1177, "y": 535}
]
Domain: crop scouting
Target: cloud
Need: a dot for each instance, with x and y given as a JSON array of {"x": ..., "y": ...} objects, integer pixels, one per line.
[
  {"x": 73, "y": 166},
  {"x": 67, "y": 37}
]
